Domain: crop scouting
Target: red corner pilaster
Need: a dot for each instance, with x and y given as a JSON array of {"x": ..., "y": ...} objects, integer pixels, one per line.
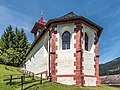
[
  {"x": 53, "y": 53},
  {"x": 96, "y": 58},
  {"x": 78, "y": 46}
]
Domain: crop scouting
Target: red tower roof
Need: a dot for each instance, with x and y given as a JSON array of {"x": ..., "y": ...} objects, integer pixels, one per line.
[{"x": 42, "y": 21}]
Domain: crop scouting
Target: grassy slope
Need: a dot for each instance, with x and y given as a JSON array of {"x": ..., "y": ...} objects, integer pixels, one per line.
[
  {"x": 12, "y": 70},
  {"x": 45, "y": 86}
]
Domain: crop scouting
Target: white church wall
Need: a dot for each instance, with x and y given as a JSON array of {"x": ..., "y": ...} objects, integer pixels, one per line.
[
  {"x": 66, "y": 59},
  {"x": 89, "y": 62},
  {"x": 37, "y": 59},
  {"x": 90, "y": 81},
  {"x": 66, "y": 80}
]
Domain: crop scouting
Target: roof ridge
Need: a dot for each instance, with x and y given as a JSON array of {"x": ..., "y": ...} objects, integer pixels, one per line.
[
  {"x": 66, "y": 16},
  {"x": 71, "y": 14}
]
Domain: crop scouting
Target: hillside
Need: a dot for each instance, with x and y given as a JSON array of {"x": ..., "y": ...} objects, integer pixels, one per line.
[
  {"x": 110, "y": 68},
  {"x": 44, "y": 86},
  {"x": 10, "y": 70}
]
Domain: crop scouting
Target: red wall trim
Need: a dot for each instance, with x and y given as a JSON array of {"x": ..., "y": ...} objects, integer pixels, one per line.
[
  {"x": 66, "y": 75},
  {"x": 44, "y": 72},
  {"x": 53, "y": 53},
  {"x": 73, "y": 75},
  {"x": 78, "y": 54},
  {"x": 96, "y": 59},
  {"x": 89, "y": 76}
]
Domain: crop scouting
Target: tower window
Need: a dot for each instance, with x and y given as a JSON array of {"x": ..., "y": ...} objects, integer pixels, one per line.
[
  {"x": 66, "y": 40},
  {"x": 86, "y": 41},
  {"x": 38, "y": 32}
]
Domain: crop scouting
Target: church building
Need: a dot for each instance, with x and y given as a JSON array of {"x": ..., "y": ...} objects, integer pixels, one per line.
[{"x": 65, "y": 49}]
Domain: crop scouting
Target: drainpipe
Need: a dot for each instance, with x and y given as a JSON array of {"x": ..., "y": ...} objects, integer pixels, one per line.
[{"x": 49, "y": 55}]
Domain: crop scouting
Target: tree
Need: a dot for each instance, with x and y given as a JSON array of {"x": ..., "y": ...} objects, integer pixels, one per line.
[
  {"x": 7, "y": 38},
  {"x": 3, "y": 55},
  {"x": 21, "y": 45},
  {"x": 14, "y": 45},
  {"x": 6, "y": 43}
]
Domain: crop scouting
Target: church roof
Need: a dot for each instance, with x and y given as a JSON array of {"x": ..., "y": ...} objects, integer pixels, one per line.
[
  {"x": 67, "y": 16},
  {"x": 72, "y": 16}
]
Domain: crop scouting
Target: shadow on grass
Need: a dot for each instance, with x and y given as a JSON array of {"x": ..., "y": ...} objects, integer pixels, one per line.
[
  {"x": 13, "y": 83},
  {"x": 36, "y": 88},
  {"x": 32, "y": 86},
  {"x": 117, "y": 86},
  {"x": 8, "y": 69}
]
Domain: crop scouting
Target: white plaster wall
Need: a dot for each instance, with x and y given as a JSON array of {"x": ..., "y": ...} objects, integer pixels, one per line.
[
  {"x": 65, "y": 58},
  {"x": 37, "y": 59},
  {"x": 65, "y": 63},
  {"x": 90, "y": 81},
  {"x": 66, "y": 80},
  {"x": 89, "y": 62}
]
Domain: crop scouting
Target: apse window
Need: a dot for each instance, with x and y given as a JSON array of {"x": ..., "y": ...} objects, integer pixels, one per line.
[
  {"x": 86, "y": 41},
  {"x": 66, "y": 40}
]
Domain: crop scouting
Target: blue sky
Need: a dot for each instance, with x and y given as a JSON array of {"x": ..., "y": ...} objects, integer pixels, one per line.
[{"x": 24, "y": 13}]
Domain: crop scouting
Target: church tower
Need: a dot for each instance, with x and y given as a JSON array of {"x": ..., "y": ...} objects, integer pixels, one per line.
[{"x": 38, "y": 27}]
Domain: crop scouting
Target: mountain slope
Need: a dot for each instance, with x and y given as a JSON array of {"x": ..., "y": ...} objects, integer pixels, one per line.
[{"x": 110, "y": 68}]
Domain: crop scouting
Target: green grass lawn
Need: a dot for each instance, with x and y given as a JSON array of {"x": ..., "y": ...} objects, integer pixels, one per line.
[
  {"x": 11, "y": 70},
  {"x": 45, "y": 86}
]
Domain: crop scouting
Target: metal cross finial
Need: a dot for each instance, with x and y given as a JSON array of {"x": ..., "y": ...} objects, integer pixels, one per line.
[{"x": 41, "y": 13}]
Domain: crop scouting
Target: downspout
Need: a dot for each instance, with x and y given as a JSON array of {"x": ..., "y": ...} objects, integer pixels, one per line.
[{"x": 49, "y": 56}]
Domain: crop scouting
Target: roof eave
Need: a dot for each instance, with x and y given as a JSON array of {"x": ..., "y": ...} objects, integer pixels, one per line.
[{"x": 74, "y": 18}]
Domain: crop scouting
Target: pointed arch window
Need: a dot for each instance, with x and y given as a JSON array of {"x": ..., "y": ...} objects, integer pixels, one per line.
[
  {"x": 86, "y": 41},
  {"x": 66, "y": 40}
]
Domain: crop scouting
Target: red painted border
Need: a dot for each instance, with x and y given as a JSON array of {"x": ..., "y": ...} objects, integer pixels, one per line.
[
  {"x": 78, "y": 55},
  {"x": 96, "y": 59},
  {"x": 66, "y": 75},
  {"x": 44, "y": 72},
  {"x": 53, "y": 53}
]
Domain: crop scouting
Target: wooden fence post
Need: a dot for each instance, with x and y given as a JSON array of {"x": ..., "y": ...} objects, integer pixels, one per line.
[
  {"x": 10, "y": 79},
  {"x": 23, "y": 71},
  {"x": 33, "y": 76},
  {"x": 28, "y": 74},
  {"x": 21, "y": 82},
  {"x": 23, "y": 77},
  {"x": 40, "y": 78}
]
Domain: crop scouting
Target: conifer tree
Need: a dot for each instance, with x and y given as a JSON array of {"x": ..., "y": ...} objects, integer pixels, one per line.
[
  {"x": 7, "y": 37},
  {"x": 14, "y": 45}
]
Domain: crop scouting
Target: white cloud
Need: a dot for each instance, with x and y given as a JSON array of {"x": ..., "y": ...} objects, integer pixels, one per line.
[
  {"x": 111, "y": 51},
  {"x": 8, "y": 16},
  {"x": 14, "y": 18}
]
